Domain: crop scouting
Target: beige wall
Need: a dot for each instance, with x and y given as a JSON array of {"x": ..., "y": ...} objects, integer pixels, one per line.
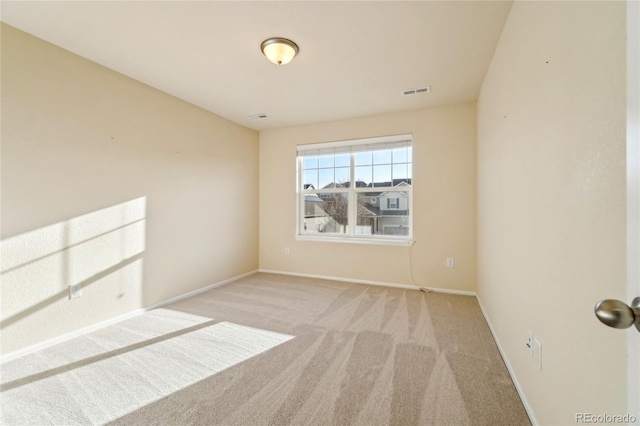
[
  {"x": 107, "y": 182},
  {"x": 551, "y": 202},
  {"x": 444, "y": 165}
]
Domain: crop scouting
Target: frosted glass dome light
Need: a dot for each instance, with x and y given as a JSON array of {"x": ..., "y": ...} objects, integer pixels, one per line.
[{"x": 278, "y": 50}]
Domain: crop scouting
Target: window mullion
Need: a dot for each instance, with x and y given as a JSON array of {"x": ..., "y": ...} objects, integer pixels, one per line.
[
  {"x": 300, "y": 197},
  {"x": 353, "y": 200}
]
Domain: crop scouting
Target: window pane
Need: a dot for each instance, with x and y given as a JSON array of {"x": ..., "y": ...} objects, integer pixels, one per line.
[
  {"x": 382, "y": 156},
  {"x": 326, "y": 178},
  {"x": 343, "y": 175},
  {"x": 310, "y": 162},
  {"x": 399, "y": 172},
  {"x": 382, "y": 175},
  {"x": 325, "y": 213},
  {"x": 409, "y": 155},
  {"x": 310, "y": 178},
  {"x": 364, "y": 174},
  {"x": 400, "y": 155},
  {"x": 372, "y": 220},
  {"x": 325, "y": 160},
  {"x": 343, "y": 160},
  {"x": 363, "y": 158}
]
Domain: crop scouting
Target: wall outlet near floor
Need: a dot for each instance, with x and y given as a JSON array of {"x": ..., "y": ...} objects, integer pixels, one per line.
[
  {"x": 450, "y": 262},
  {"x": 537, "y": 353},
  {"x": 530, "y": 342},
  {"x": 75, "y": 291},
  {"x": 287, "y": 251}
]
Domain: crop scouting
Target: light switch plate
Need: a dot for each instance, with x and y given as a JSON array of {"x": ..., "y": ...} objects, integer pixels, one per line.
[{"x": 537, "y": 353}]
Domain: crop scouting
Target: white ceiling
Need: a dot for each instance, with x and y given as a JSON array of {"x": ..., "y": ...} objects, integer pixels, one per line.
[{"x": 355, "y": 57}]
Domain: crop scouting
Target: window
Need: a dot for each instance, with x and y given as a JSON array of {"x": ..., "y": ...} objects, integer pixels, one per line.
[{"x": 358, "y": 190}]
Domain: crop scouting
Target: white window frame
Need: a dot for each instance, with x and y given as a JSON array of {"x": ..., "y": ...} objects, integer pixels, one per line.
[{"x": 351, "y": 146}]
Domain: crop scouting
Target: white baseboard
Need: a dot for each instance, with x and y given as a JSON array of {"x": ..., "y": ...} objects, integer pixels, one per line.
[
  {"x": 514, "y": 379},
  {"x": 198, "y": 291},
  {"x": 94, "y": 327},
  {"x": 102, "y": 324},
  {"x": 47, "y": 343},
  {"x": 379, "y": 283}
]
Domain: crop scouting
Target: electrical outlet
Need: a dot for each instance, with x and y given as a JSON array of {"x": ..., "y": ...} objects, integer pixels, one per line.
[
  {"x": 450, "y": 262},
  {"x": 75, "y": 291},
  {"x": 530, "y": 342},
  {"x": 287, "y": 251},
  {"x": 537, "y": 353}
]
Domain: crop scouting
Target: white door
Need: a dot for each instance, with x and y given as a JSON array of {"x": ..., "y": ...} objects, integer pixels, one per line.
[{"x": 633, "y": 199}]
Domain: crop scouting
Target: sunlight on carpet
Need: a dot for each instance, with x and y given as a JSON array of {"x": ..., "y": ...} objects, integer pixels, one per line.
[{"x": 126, "y": 373}]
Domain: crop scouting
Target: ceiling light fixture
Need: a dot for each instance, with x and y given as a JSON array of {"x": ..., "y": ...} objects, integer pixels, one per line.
[{"x": 279, "y": 50}]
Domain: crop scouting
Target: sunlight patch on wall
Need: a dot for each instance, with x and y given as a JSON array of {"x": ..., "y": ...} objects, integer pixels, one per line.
[{"x": 101, "y": 251}]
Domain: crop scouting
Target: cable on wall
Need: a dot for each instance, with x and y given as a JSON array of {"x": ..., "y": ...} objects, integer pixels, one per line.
[{"x": 411, "y": 279}]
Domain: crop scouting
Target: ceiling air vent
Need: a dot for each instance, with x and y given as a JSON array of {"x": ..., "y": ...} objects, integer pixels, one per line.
[
  {"x": 258, "y": 117},
  {"x": 416, "y": 91}
]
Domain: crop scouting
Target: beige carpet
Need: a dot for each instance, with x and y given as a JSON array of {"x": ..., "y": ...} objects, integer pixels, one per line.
[{"x": 272, "y": 349}]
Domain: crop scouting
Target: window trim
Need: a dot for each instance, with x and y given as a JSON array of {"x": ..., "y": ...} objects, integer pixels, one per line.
[
  {"x": 350, "y": 146},
  {"x": 378, "y": 140},
  {"x": 380, "y": 240}
]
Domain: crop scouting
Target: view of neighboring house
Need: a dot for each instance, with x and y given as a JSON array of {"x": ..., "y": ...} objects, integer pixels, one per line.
[
  {"x": 316, "y": 218},
  {"x": 380, "y": 212}
]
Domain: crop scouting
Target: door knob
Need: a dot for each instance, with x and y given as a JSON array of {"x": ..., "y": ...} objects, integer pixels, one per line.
[{"x": 617, "y": 314}]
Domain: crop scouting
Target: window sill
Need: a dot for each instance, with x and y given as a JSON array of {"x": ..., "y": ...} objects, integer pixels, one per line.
[{"x": 357, "y": 240}]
